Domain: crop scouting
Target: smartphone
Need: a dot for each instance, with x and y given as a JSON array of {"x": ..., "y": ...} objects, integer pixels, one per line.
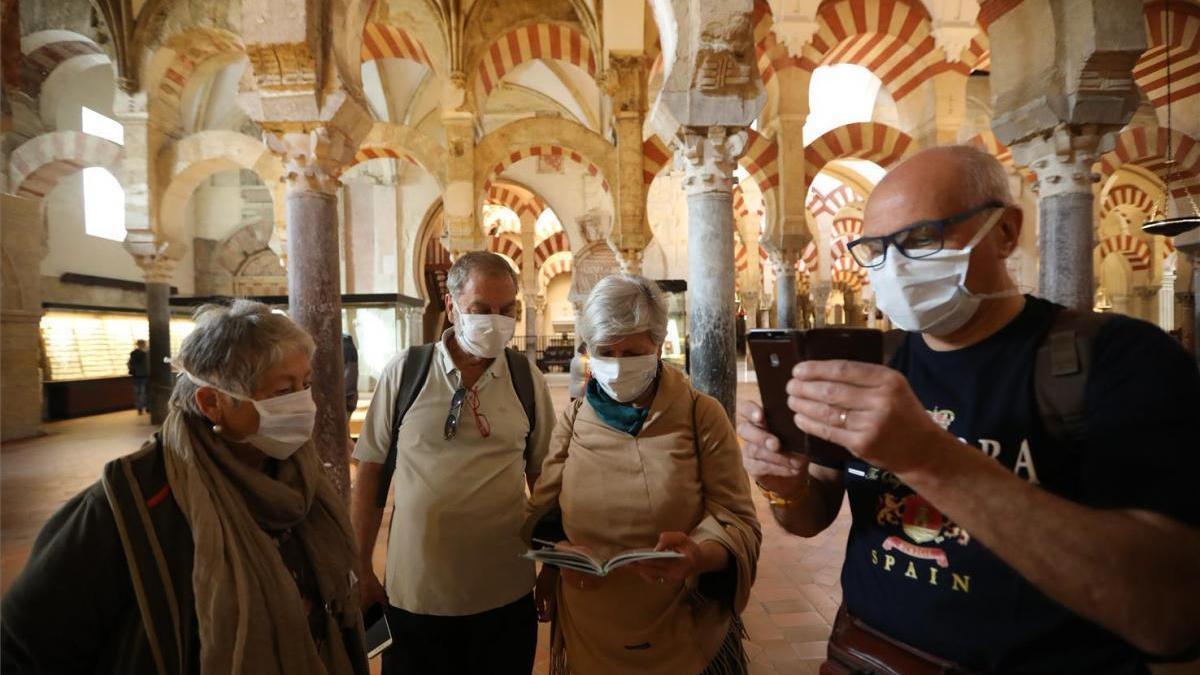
[
  {"x": 776, "y": 351},
  {"x": 379, "y": 633}
]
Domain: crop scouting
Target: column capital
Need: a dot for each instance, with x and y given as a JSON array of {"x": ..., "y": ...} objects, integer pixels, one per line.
[
  {"x": 784, "y": 259},
  {"x": 1062, "y": 157},
  {"x": 709, "y": 156},
  {"x": 631, "y": 260},
  {"x": 158, "y": 269},
  {"x": 312, "y": 160}
]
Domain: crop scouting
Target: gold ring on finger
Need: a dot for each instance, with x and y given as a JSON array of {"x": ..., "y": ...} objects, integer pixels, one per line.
[{"x": 842, "y": 418}]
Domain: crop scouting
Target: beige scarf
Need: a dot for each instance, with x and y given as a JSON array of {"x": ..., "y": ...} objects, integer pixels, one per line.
[{"x": 251, "y": 615}]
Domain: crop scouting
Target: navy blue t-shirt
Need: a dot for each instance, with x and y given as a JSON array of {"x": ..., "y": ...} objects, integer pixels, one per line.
[{"x": 914, "y": 574}]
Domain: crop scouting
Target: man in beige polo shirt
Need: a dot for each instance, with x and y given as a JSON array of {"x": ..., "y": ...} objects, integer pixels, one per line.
[{"x": 459, "y": 597}]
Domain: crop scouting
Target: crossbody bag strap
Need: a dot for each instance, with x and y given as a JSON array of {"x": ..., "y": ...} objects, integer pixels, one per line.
[{"x": 148, "y": 572}]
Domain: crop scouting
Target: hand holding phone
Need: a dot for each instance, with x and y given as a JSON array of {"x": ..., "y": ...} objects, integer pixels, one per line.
[
  {"x": 777, "y": 351},
  {"x": 379, "y": 633}
]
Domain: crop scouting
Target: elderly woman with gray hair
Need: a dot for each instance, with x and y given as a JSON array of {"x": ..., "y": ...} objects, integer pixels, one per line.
[
  {"x": 220, "y": 547},
  {"x": 644, "y": 460}
]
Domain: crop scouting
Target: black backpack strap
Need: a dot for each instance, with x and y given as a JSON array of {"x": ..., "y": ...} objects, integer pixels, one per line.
[
  {"x": 521, "y": 372},
  {"x": 413, "y": 374},
  {"x": 148, "y": 571},
  {"x": 1061, "y": 369}
]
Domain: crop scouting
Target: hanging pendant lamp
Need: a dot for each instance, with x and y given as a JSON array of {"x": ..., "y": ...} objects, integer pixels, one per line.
[{"x": 1171, "y": 227}]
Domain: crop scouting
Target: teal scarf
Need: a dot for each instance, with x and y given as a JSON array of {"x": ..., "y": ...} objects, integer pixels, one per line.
[{"x": 620, "y": 416}]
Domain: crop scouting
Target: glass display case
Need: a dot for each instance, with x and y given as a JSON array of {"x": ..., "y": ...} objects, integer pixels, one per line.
[{"x": 94, "y": 344}]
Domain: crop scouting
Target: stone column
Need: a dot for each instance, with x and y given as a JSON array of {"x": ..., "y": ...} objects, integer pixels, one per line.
[
  {"x": 539, "y": 307},
  {"x": 134, "y": 172},
  {"x": 1166, "y": 301},
  {"x": 1189, "y": 244},
  {"x": 820, "y": 294},
  {"x": 625, "y": 83},
  {"x": 24, "y": 247},
  {"x": 1060, "y": 92},
  {"x": 159, "y": 269},
  {"x": 1062, "y": 162},
  {"x": 710, "y": 156},
  {"x": 785, "y": 288},
  {"x": 750, "y": 307},
  {"x": 462, "y": 232},
  {"x": 314, "y": 292},
  {"x": 531, "y": 324}
]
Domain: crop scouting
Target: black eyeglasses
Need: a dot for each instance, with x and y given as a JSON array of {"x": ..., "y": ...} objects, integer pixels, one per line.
[
  {"x": 919, "y": 240},
  {"x": 456, "y": 404}
]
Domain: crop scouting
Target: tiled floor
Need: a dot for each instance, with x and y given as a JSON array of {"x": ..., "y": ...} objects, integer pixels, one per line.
[{"x": 788, "y": 620}]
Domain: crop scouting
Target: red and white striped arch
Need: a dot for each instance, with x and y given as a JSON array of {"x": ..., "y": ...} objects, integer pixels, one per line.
[
  {"x": 38, "y": 164},
  {"x": 1128, "y": 195},
  {"x": 192, "y": 48},
  {"x": 366, "y": 154},
  {"x": 761, "y": 161},
  {"x": 387, "y": 41},
  {"x": 848, "y": 224},
  {"x": 832, "y": 203},
  {"x": 1132, "y": 248},
  {"x": 553, "y": 41},
  {"x": 555, "y": 243},
  {"x": 58, "y": 47},
  {"x": 979, "y": 54},
  {"x": 518, "y": 200},
  {"x": 891, "y": 38},
  {"x": 562, "y": 263},
  {"x": 546, "y": 151},
  {"x": 1184, "y": 45},
  {"x": 1148, "y": 149},
  {"x": 507, "y": 246},
  {"x": 808, "y": 259},
  {"x": 655, "y": 156},
  {"x": 871, "y": 141}
]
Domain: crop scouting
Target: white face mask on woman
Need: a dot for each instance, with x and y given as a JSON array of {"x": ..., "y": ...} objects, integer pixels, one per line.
[
  {"x": 929, "y": 295},
  {"x": 483, "y": 336},
  {"x": 285, "y": 423},
  {"x": 625, "y": 378}
]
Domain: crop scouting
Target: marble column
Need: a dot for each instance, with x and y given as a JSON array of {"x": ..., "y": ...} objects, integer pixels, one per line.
[
  {"x": 750, "y": 307},
  {"x": 820, "y": 294},
  {"x": 530, "y": 301},
  {"x": 314, "y": 291},
  {"x": 24, "y": 247},
  {"x": 159, "y": 271},
  {"x": 1063, "y": 164},
  {"x": 710, "y": 155},
  {"x": 1166, "y": 301},
  {"x": 625, "y": 83},
  {"x": 785, "y": 288}
]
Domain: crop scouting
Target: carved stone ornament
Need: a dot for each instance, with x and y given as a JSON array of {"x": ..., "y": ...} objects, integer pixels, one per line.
[
  {"x": 283, "y": 67},
  {"x": 1062, "y": 161},
  {"x": 312, "y": 161},
  {"x": 725, "y": 58},
  {"x": 709, "y": 157}
]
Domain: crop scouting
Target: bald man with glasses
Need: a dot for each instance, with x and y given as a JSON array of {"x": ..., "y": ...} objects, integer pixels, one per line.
[{"x": 993, "y": 531}]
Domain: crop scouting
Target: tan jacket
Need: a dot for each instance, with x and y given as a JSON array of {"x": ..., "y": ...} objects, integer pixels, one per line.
[{"x": 683, "y": 472}]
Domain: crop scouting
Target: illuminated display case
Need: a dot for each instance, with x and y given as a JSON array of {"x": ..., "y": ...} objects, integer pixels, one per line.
[{"x": 82, "y": 344}]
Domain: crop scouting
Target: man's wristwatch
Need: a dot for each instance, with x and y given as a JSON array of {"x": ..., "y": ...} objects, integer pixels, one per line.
[{"x": 776, "y": 499}]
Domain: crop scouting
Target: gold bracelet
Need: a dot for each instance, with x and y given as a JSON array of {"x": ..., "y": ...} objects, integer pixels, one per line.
[{"x": 776, "y": 499}]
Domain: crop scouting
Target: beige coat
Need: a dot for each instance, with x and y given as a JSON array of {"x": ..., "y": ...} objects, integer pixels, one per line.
[{"x": 683, "y": 472}]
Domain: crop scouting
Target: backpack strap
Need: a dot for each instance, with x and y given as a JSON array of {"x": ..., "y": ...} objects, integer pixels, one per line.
[
  {"x": 413, "y": 374},
  {"x": 521, "y": 372},
  {"x": 148, "y": 572},
  {"x": 1061, "y": 370}
]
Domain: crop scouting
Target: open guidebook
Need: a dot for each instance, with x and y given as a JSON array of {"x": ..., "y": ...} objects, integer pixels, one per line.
[{"x": 579, "y": 562}]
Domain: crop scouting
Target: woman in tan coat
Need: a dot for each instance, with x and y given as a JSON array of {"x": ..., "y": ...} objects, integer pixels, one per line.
[{"x": 643, "y": 460}]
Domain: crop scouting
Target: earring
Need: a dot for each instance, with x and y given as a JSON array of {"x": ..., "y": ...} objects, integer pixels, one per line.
[{"x": 217, "y": 429}]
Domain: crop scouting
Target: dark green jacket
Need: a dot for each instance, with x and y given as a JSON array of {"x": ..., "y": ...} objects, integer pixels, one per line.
[{"x": 73, "y": 609}]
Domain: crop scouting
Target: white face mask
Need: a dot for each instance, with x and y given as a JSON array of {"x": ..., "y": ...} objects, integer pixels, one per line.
[
  {"x": 930, "y": 295},
  {"x": 285, "y": 423},
  {"x": 627, "y": 378},
  {"x": 483, "y": 335}
]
